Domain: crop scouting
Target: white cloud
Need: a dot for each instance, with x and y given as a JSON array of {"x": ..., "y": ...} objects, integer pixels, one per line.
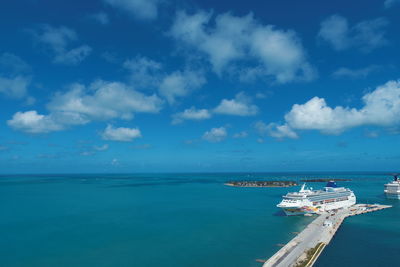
[
  {"x": 73, "y": 56},
  {"x": 215, "y": 135},
  {"x": 32, "y": 122},
  {"x": 390, "y": 3},
  {"x": 366, "y": 35},
  {"x": 101, "y": 148},
  {"x": 274, "y": 130},
  {"x": 144, "y": 72},
  {"x": 140, "y": 9},
  {"x": 191, "y": 114},
  {"x": 272, "y": 52},
  {"x": 11, "y": 63},
  {"x": 261, "y": 128},
  {"x": 381, "y": 108},
  {"x": 281, "y": 131},
  {"x": 100, "y": 17},
  {"x": 120, "y": 134},
  {"x": 58, "y": 40},
  {"x": 15, "y": 76},
  {"x": 355, "y": 73},
  {"x": 242, "y": 134},
  {"x": 15, "y": 87},
  {"x": 80, "y": 105},
  {"x": 240, "y": 106},
  {"x": 260, "y": 140},
  {"x": 103, "y": 101},
  {"x": 317, "y": 115},
  {"x": 180, "y": 84}
]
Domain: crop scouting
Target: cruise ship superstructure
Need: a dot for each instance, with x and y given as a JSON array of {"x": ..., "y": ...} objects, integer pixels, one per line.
[
  {"x": 308, "y": 201},
  {"x": 392, "y": 189}
]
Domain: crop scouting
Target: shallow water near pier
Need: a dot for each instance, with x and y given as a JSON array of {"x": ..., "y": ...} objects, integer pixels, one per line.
[{"x": 177, "y": 220}]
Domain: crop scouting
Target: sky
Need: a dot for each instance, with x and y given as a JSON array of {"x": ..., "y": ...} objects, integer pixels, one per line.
[{"x": 199, "y": 86}]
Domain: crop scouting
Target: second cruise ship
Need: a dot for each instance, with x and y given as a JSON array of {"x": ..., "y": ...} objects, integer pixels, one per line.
[
  {"x": 392, "y": 190},
  {"x": 315, "y": 201}
]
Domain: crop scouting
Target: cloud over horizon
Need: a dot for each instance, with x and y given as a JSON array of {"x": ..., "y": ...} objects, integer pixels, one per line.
[{"x": 381, "y": 108}]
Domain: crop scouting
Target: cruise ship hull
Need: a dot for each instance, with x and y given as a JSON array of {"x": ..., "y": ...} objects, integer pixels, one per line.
[
  {"x": 392, "y": 196},
  {"x": 296, "y": 211},
  {"x": 316, "y": 209}
]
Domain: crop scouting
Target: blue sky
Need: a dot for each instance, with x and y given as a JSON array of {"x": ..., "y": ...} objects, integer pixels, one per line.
[{"x": 176, "y": 86}]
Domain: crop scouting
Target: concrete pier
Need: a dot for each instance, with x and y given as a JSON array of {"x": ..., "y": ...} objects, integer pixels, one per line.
[{"x": 304, "y": 249}]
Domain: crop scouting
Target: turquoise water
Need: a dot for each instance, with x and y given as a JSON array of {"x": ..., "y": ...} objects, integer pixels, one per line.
[{"x": 176, "y": 220}]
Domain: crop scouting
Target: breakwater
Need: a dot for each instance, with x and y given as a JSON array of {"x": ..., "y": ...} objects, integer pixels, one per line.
[{"x": 304, "y": 249}]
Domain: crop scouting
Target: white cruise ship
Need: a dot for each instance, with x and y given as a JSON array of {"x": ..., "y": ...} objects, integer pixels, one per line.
[
  {"x": 315, "y": 201},
  {"x": 392, "y": 190}
]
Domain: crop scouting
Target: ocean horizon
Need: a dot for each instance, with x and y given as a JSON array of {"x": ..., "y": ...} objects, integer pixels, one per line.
[{"x": 186, "y": 219}]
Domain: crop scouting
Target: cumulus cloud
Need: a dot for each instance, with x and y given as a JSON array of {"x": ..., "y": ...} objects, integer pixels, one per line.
[
  {"x": 80, "y": 105},
  {"x": 180, "y": 84},
  {"x": 57, "y": 41},
  {"x": 215, "y": 135},
  {"x": 144, "y": 72},
  {"x": 381, "y": 108},
  {"x": 15, "y": 76},
  {"x": 242, "y": 134},
  {"x": 100, "y": 17},
  {"x": 241, "y": 105},
  {"x": 11, "y": 63},
  {"x": 120, "y": 134},
  {"x": 103, "y": 100},
  {"x": 32, "y": 122},
  {"x": 191, "y": 114},
  {"x": 140, "y": 9},
  {"x": 231, "y": 41},
  {"x": 390, "y": 3},
  {"x": 355, "y": 73},
  {"x": 15, "y": 87},
  {"x": 281, "y": 131},
  {"x": 366, "y": 35},
  {"x": 101, "y": 148}
]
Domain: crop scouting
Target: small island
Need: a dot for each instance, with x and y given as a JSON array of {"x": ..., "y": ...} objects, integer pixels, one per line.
[
  {"x": 325, "y": 180},
  {"x": 261, "y": 183}
]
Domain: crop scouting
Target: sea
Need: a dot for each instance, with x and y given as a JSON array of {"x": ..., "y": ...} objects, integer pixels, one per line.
[{"x": 185, "y": 219}]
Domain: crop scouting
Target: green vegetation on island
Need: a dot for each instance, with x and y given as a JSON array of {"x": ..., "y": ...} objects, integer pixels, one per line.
[{"x": 261, "y": 183}]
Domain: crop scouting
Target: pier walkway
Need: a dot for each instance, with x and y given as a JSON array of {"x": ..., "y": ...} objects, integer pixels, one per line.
[{"x": 304, "y": 249}]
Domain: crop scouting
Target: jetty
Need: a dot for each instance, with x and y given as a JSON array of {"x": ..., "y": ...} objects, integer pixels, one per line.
[{"x": 305, "y": 248}]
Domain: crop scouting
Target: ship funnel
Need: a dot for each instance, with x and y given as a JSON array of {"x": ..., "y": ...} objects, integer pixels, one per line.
[
  {"x": 331, "y": 184},
  {"x": 396, "y": 176}
]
